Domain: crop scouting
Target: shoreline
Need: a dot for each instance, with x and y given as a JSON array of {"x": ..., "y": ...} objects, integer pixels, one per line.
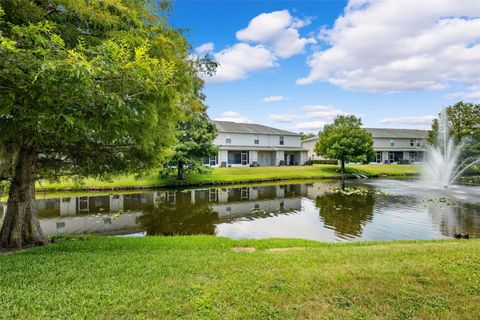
[{"x": 180, "y": 184}]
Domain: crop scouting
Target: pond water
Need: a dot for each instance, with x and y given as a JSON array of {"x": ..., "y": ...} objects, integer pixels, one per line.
[{"x": 390, "y": 210}]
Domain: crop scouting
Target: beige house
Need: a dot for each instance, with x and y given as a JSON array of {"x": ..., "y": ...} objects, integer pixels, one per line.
[
  {"x": 246, "y": 144},
  {"x": 390, "y": 145}
]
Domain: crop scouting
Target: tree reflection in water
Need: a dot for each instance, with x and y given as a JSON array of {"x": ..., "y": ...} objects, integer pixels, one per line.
[
  {"x": 181, "y": 217},
  {"x": 346, "y": 215}
]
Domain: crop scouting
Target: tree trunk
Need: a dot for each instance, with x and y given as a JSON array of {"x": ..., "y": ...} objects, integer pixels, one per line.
[
  {"x": 343, "y": 165},
  {"x": 20, "y": 225},
  {"x": 180, "y": 171}
]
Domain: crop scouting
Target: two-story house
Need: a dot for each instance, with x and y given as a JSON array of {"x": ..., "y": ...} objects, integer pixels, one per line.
[
  {"x": 246, "y": 144},
  {"x": 390, "y": 145}
]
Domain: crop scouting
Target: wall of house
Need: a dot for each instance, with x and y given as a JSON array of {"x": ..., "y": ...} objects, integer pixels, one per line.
[
  {"x": 310, "y": 146},
  {"x": 400, "y": 144},
  {"x": 247, "y": 139},
  {"x": 379, "y": 145}
]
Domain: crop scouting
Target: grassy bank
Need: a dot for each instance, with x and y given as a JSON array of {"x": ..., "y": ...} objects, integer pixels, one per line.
[
  {"x": 234, "y": 175},
  {"x": 202, "y": 277}
]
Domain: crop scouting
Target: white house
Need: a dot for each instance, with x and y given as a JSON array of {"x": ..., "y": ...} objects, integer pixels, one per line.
[
  {"x": 390, "y": 145},
  {"x": 245, "y": 144}
]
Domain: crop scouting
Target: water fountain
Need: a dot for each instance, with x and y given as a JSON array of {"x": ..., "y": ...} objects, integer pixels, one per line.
[{"x": 443, "y": 167}]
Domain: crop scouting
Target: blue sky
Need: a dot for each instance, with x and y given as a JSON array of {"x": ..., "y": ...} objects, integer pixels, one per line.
[{"x": 298, "y": 64}]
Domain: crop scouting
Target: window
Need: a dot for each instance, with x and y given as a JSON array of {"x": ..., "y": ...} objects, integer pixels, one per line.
[
  {"x": 228, "y": 140},
  {"x": 419, "y": 143},
  {"x": 256, "y": 139},
  {"x": 282, "y": 141},
  {"x": 412, "y": 156},
  {"x": 392, "y": 143},
  {"x": 211, "y": 161},
  {"x": 238, "y": 157},
  {"x": 411, "y": 143},
  {"x": 391, "y": 157},
  {"x": 379, "y": 157}
]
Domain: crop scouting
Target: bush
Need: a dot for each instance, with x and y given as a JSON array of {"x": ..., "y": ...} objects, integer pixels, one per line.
[{"x": 325, "y": 161}]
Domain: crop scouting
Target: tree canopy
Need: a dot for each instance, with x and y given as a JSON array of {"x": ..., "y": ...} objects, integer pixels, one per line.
[
  {"x": 464, "y": 127},
  {"x": 345, "y": 140},
  {"x": 306, "y": 135},
  {"x": 86, "y": 88},
  {"x": 194, "y": 144}
]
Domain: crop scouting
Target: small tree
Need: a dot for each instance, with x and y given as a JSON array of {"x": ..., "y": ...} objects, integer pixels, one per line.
[
  {"x": 345, "y": 140},
  {"x": 195, "y": 135}
]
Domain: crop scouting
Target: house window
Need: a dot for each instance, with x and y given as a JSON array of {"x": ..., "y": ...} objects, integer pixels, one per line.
[
  {"x": 412, "y": 143},
  {"x": 211, "y": 161},
  {"x": 419, "y": 143},
  {"x": 238, "y": 157},
  {"x": 228, "y": 140},
  {"x": 412, "y": 156},
  {"x": 282, "y": 141},
  {"x": 392, "y": 143},
  {"x": 256, "y": 139},
  {"x": 379, "y": 157}
]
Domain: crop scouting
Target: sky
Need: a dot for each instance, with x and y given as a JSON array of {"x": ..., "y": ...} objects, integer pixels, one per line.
[{"x": 296, "y": 65}]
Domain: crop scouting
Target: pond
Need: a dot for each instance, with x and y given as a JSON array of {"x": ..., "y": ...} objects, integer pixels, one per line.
[{"x": 383, "y": 210}]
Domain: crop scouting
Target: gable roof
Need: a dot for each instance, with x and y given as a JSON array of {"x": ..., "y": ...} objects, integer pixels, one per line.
[
  {"x": 235, "y": 127},
  {"x": 391, "y": 134},
  {"x": 398, "y": 133}
]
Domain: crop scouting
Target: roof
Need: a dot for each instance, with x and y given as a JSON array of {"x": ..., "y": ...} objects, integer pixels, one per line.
[
  {"x": 235, "y": 127},
  {"x": 391, "y": 133},
  {"x": 398, "y": 133},
  {"x": 310, "y": 139}
]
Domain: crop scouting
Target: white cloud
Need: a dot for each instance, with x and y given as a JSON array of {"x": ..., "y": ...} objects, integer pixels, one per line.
[
  {"x": 233, "y": 117},
  {"x": 205, "y": 48},
  {"x": 236, "y": 62},
  {"x": 312, "y": 118},
  {"x": 322, "y": 112},
  {"x": 278, "y": 31},
  {"x": 311, "y": 126},
  {"x": 424, "y": 121},
  {"x": 472, "y": 93},
  {"x": 274, "y": 99},
  {"x": 285, "y": 118},
  {"x": 391, "y": 45}
]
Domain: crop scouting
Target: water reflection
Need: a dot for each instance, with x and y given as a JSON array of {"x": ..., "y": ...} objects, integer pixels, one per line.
[
  {"x": 289, "y": 210},
  {"x": 178, "y": 214},
  {"x": 346, "y": 215}
]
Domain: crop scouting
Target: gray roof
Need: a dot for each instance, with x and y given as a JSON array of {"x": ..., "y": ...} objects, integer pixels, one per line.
[
  {"x": 398, "y": 133},
  {"x": 235, "y": 127},
  {"x": 391, "y": 134}
]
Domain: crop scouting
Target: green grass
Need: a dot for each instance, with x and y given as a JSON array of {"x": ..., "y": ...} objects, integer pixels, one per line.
[
  {"x": 201, "y": 277},
  {"x": 234, "y": 175}
]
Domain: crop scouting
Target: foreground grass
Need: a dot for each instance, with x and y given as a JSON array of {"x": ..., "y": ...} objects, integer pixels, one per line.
[
  {"x": 235, "y": 175},
  {"x": 201, "y": 277}
]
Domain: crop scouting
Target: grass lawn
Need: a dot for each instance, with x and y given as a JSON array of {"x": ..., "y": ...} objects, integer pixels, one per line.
[
  {"x": 232, "y": 175},
  {"x": 202, "y": 277}
]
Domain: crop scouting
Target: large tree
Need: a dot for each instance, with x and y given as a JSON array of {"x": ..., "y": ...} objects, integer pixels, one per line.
[
  {"x": 464, "y": 127},
  {"x": 345, "y": 140},
  {"x": 87, "y": 87},
  {"x": 194, "y": 144}
]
